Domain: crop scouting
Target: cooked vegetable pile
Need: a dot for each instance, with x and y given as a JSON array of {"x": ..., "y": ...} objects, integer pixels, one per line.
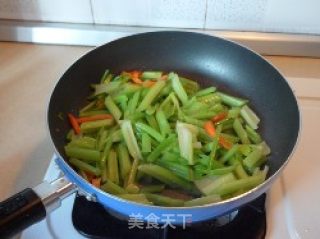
[{"x": 160, "y": 139}]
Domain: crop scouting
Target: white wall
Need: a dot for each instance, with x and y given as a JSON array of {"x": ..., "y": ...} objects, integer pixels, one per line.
[{"x": 292, "y": 16}]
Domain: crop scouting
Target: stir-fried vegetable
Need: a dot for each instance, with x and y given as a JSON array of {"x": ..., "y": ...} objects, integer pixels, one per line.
[{"x": 142, "y": 133}]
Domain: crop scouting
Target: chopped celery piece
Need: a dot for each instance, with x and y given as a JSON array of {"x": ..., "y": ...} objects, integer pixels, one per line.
[
  {"x": 242, "y": 134},
  {"x": 113, "y": 188},
  {"x": 82, "y": 153},
  {"x": 178, "y": 88},
  {"x": 165, "y": 176},
  {"x": 209, "y": 184},
  {"x": 230, "y": 153},
  {"x": 165, "y": 144},
  {"x": 236, "y": 185},
  {"x": 151, "y": 74},
  {"x": 253, "y": 135},
  {"x": 251, "y": 160},
  {"x": 149, "y": 130},
  {"x": 139, "y": 198},
  {"x": 151, "y": 95},
  {"x": 130, "y": 139},
  {"x": 124, "y": 161},
  {"x": 206, "y": 91},
  {"x": 113, "y": 108},
  {"x": 250, "y": 117},
  {"x": 185, "y": 142},
  {"x": 163, "y": 123},
  {"x": 164, "y": 200},
  {"x": 85, "y": 166},
  {"x": 84, "y": 142},
  {"x": 202, "y": 201},
  {"x": 232, "y": 100},
  {"x": 145, "y": 143},
  {"x": 95, "y": 125},
  {"x": 113, "y": 171}
]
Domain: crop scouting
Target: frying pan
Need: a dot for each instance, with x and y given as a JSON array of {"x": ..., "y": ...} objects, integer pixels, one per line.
[{"x": 206, "y": 59}]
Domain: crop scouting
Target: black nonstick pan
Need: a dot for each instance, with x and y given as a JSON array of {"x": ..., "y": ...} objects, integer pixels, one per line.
[{"x": 206, "y": 59}]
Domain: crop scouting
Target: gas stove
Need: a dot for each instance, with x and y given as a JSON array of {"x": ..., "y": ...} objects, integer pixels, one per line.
[{"x": 292, "y": 203}]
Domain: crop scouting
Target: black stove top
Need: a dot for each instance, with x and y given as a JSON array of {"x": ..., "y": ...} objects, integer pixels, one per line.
[{"x": 91, "y": 220}]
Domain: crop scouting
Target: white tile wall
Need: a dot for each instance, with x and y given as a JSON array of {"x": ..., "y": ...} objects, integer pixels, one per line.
[
  {"x": 47, "y": 10},
  {"x": 159, "y": 13},
  {"x": 293, "y": 16}
]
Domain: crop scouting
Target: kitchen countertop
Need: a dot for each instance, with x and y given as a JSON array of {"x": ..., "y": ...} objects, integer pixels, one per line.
[{"x": 28, "y": 73}]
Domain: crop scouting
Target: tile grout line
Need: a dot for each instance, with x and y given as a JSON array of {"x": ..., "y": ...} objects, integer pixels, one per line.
[
  {"x": 92, "y": 12},
  {"x": 205, "y": 16}
]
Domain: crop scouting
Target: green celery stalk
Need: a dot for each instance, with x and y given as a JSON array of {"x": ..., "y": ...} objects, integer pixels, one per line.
[
  {"x": 113, "y": 171},
  {"x": 145, "y": 143},
  {"x": 112, "y": 188},
  {"x": 250, "y": 117},
  {"x": 230, "y": 153},
  {"x": 183, "y": 171},
  {"x": 251, "y": 160},
  {"x": 130, "y": 139},
  {"x": 178, "y": 88},
  {"x": 139, "y": 198},
  {"x": 165, "y": 176},
  {"x": 185, "y": 142},
  {"x": 149, "y": 130},
  {"x": 209, "y": 184},
  {"x": 210, "y": 99},
  {"x": 151, "y": 95},
  {"x": 92, "y": 126},
  {"x": 152, "y": 122},
  {"x": 85, "y": 166},
  {"x": 163, "y": 123},
  {"x": 240, "y": 184},
  {"x": 133, "y": 172},
  {"x": 240, "y": 132},
  {"x": 113, "y": 108},
  {"x": 87, "y": 107},
  {"x": 84, "y": 142},
  {"x": 82, "y": 153},
  {"x": 151, "y": 75},
  {"x": 206, "y": 91},
  {"x": 124, "y": 161},
  {"x": 232, "y": 100},
  {"x": 166, "y": 143},
  {"x": 133, "y": 102},
  {"x": 253, "y": 135},
  {"x": 203, "y": 200},
  {"x": 93, "y": 112},
  {"x": 164, "y": 200},
  {"x": 105, "y": 74}
]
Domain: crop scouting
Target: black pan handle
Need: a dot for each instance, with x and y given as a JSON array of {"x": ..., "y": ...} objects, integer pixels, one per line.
[
  {"x": 31, "y": 205},
  {"x": 19, "y": 212}
]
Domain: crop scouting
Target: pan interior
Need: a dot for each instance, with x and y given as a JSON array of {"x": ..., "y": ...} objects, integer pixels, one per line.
[{"x": 206, "y": 59}]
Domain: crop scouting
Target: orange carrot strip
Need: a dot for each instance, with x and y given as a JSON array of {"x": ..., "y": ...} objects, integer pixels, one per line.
[
  {"x": 96, "y": 182},
  {"x": 209, "y": 127},
  {"x": 93, "y": 118},
  {"x": 225, "y": 143},
  {"x": 74, "y": 123},
  {"x": 135, "y": 76},
  {"x": 219, "y": 117}
]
